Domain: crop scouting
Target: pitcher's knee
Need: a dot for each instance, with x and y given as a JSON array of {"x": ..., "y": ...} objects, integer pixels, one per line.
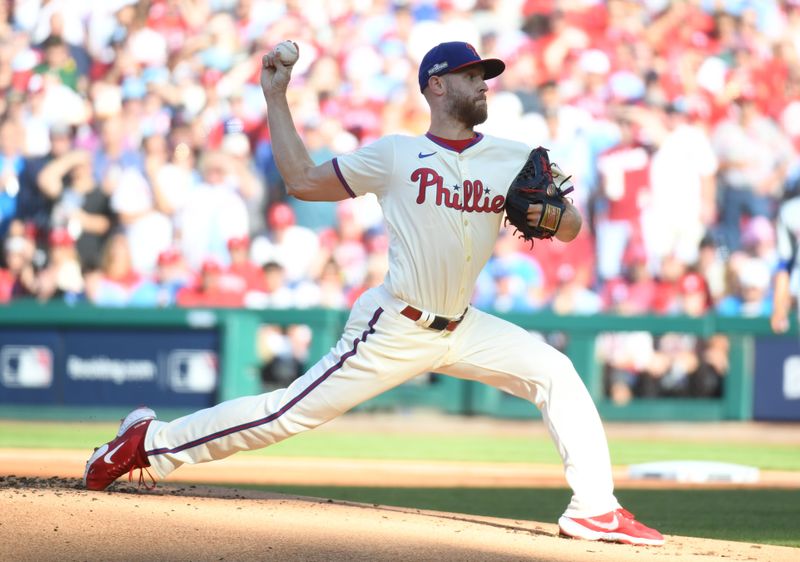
[{"x": 558, "y": 370}]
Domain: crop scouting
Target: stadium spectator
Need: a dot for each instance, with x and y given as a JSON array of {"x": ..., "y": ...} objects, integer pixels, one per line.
[
  {"x": 174, "y": 180},
  {"x": 711, "y": 265},
  {"x": 149, "y": 231},
  {"x": 293, "y": 246},
  {"x": 272, "y": 291},
  {"x": 57, "y": 60},
  {"x": 758, "y": 240},
  {"x": 681, "y": 185},
  {"x": 242, "y": 274},
  {"x": 117, "y": 152},
  {"x": 115, "y": 281},
  {"x": 39, "y": 19},
  {"x": 634, "y": 291},
  {"x": 330, "y": 287},
  {"x": 571, "y": 149},
  {"x": 754, "y": 157},
  {"x": 62, "y": 277},
  {"x": 170, "y": 276},
  {"x": 208, "y": 289},
  {"x": 80, "y": 205},
  {"x": 666, "y": 299},
  {"x": 513, "y": 280},
  {"x": 574, "y": 295},
  {"x": 376, "y": 272},
  {"x": 213, "y": 214},
  {"x": 694, "y": 297},
  {"x": 18, "y": 280},
  {"x": 282, "y": 353},
  {"x": 751, "y": 293},
  {"x": 248, "y": 183},
  {"x": 624, "y": 188},
  {"x": 686, "y": 365},
  {"x": 350, "y": 252},
  {"x": 34, "y": 206},
  {"x": 705, "y": 380},
  {"x": 625, "y": 357},
  {"x": 11, "y": 164}
]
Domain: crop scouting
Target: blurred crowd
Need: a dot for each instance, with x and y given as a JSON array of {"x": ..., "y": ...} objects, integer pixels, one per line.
[{"x": 136, "y": 165}]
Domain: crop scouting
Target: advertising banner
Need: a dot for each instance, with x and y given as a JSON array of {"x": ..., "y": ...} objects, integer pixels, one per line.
[{"x": 109, "y": 367}]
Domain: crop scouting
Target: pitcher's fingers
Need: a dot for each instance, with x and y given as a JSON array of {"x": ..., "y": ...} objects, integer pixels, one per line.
[{"x": 268, "y": 60}]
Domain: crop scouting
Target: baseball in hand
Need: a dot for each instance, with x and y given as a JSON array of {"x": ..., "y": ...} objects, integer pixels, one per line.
[{"x": 287, "y": 52}]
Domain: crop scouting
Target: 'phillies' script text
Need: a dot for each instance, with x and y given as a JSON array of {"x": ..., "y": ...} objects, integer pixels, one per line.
[{"x": 474, "y": 199}]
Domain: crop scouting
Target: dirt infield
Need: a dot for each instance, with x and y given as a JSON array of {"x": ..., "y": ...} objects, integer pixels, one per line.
[{"x": 54, "y": 519}]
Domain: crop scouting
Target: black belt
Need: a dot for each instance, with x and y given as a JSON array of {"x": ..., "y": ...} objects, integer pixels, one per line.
[{"x": 439, "y": 322}]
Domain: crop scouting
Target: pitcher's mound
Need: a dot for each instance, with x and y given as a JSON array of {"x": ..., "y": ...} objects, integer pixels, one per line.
[{"x": 55, "y": 519}]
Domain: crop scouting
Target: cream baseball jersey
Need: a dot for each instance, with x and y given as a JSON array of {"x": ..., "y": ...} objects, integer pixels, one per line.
[{"x": 442, "y": 209}]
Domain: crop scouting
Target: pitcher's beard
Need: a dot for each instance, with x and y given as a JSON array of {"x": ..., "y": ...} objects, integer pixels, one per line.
[{"x": 468, "y": 112}]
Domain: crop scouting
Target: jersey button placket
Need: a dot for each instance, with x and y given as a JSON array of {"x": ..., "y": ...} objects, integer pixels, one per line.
[{"x": 463, "y": 166}]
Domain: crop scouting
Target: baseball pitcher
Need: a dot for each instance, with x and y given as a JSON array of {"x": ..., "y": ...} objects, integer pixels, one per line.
[{"x": 444, "y": 196}]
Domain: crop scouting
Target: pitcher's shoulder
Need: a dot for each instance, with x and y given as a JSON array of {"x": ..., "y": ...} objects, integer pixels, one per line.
[
  {"x": 505, "y": 149},
  {"x": 512, "y": 148}
]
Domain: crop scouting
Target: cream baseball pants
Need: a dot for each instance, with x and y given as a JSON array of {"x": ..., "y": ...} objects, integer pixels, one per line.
[{"x": 380, "y": 349}]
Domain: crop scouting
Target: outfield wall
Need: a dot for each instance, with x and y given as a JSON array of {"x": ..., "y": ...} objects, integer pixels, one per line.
[{"x": 57, "y": 361}]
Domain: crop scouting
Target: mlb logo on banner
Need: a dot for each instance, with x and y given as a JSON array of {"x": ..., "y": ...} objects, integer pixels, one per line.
[
  {"x": 192, "y": 370},
  {"x": 26, "y": 366}
]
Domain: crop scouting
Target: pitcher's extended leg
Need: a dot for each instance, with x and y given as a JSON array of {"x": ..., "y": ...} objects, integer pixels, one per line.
[
  {"x": 505, "y": 356},
  {"x": 358, "y": 368}
]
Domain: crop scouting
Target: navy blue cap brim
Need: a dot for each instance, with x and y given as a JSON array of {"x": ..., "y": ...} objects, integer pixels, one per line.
[{"x": 492, "y": 68}]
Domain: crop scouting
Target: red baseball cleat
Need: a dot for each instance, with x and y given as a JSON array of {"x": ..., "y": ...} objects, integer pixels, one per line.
[
  {"x": 614, "y": 526},
  {"x": 123, "y": 454}
]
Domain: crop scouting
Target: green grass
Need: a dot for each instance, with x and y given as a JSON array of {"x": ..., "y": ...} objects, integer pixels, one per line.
[
  {"x": 757, "y": 516},
  {"x": 416, "y": 446}
]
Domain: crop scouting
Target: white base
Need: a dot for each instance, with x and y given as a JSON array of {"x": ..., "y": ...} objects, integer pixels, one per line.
[{"x": 694, "y": 472}]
